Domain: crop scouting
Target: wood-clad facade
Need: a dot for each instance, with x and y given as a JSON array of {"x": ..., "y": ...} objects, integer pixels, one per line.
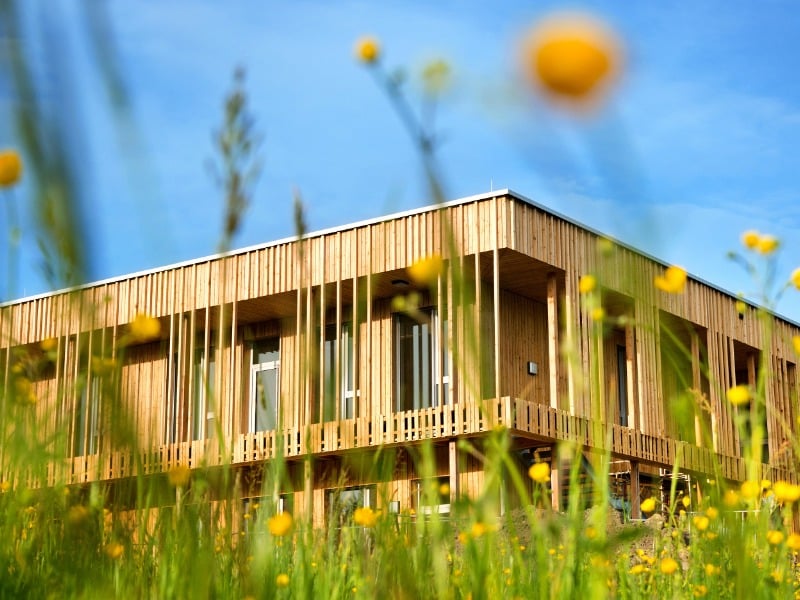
[{"x": 328, "y": 347}]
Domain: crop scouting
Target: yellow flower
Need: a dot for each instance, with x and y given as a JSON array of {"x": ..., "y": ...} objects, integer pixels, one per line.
[
  {"x": 793, "y": 542},
  {"x": 700, "y": 590},
  {"x": 4, "y": 486},
  {"x": 426, "y": 271},
  {"x": 540, "y": 472},
  {"x": 571, "y": 57},
  {"x": 598, "y": 313},
  {"x": 478, "y": 529},
  {"x": 48, "y": 345},
  {"x": 444, "y": 489},
  {"x": 750, "y": 239},
  {"x": 796, "y": 344},
  {"x": 767, "y": 244},
  {"x": 178, "y": 475},
  {"x": 774, "y": 537},
  {"x": 114, "y": 550},
  {"x": 636, "y": 569},
  {"x": 686, "y": 501},
  {"x": 738, "y": 395},
  {"x": 587, "y": 284},
  {"x": 103, "y": 366},
  {"x": 282, "y": 580},
  {"x": 365, "y": 516},
  {"x": 280, "y": 524},
  {"x": 24, "y": 390},
  {"x": 741, "y": 307},
  {"x": 673, "y": 281},
  {"x": 648, "y": 505},
  {"x": 786, "y": 492},
  {"x": 668, "y": 565},
  {"x": 730, "y": 499},
  {"x": 712, "y": 513},
  {"x": 77, "y": 514},
  {"x": 436, "y": 76},
  {"x": 367, "y": 50},
  {"x": 10, "y": 167},
  {"x": 795, "y": 278},
  {"x": 750, "y": 489},
  {"x": 700, "y": 522},
  {"x": 144, "y": 328},
  {"x": 712, "y": 569}
]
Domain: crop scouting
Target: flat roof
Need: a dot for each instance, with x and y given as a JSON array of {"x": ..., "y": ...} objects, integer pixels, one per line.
[{"x": 372, "y": 221}]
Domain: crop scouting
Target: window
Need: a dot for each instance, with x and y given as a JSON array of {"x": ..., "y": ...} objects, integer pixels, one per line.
[
  {"x": 346, "y": 392},
  {"x": 264, "y": 386},
  {"x": 86, "y": 427},
  {"x": 432, "y": 496},
  {"x": 343, "y": 502},
  {"x": 203, "y": 393},
  {"x": 422, "y": 363}
]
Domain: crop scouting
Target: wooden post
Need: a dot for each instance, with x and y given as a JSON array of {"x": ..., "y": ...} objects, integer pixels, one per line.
[
  {"x": 555, "y": 479},
  {"x": 552, "y": 336},
  {"x": 453, "y": 457},
  {"x": 636, "y": 507}
]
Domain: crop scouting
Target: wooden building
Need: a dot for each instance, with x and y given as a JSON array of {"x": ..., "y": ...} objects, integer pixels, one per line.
[{"x": 333, "y": 347}]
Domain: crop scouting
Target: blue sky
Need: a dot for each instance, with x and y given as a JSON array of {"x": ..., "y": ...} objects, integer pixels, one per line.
[{"x": 698, "y": 143}]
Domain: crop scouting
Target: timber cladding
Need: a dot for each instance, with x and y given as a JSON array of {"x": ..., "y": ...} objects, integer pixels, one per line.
[{"x": 325, "y": 345}]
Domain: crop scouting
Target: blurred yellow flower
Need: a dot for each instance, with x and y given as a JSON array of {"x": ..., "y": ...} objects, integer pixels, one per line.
[
  {"x": 636, "y": 569},
  {"x": 598, "y": 313},
  {"x": 10, "y": 167},
  {"x": 367, "y": 50},
  {"x": 280, "y": 524},
  {"x": 4, "y": 486},
  {"x": 48, "y": 345},
  {"x": 750, "y": 239},
  {"x": 730, "y": 499},
  {"x": 700, "y": 590},
  {"x": 444, "y": 489},
  {"x": 741, "y": 307},
  {"x": 673, "y": 281},
  {"x": 668, "y": 565},
  {"x": 77, "y": 514},
  {"x": 587, "y": 284},
  {"x": 365, "y": 516},
  {"x": 478, "y": 529},
  {"x": 23, "y": 388},
  {"x": 738, "y": 395},
  {"x": 712, "y": 569},
  {"x": 795, "y": 278},
  {"x": 796, "y": 344},
  {"x": 144, "y": 328},
  {"x": 786, "y": 492},
  {"x": 282, "y": 580},
  {"x": 774, "y": 537},
  {"x": 686, "y": 501},
  {"x": 436, "y": 77},
  {"x": 648, "y": 505},
  {"x": 712, "y": 512},
  {"x": 571, "y": 57},
  {"x": 426, "y": 271},
  {"x": 700, "y": 522},
  {"x": 750, "y": 489},
  {"x": 540, "y": 472},
  {"x": 178, "y": 475},
  {"x": 114, "y": 550},
  {"x": 767, "y": 244}
]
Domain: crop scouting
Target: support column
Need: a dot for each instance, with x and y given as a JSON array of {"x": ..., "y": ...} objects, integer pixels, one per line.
[
  {"x": 636, "y": 507},
  {"x": 552, "y": 336},
  {"x": 453, "y": 459},
  {"x": 555, "y": 479}
]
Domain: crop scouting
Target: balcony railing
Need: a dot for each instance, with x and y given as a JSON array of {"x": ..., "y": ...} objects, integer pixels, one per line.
[{"x": 521, "y": 417}]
